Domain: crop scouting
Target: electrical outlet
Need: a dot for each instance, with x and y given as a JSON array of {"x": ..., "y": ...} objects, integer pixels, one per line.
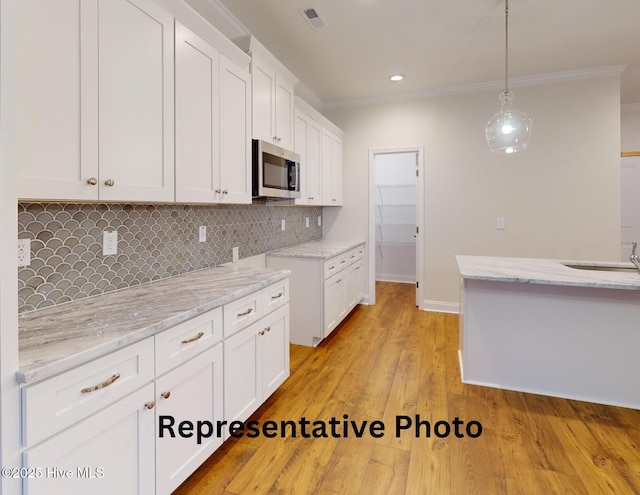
[
  {"x": 306, "y": 221},
  {"x": 235, "y": 254},
  {"x": 500, "y": 223},
  {"x": 283, "y": 226},
  {"x": 202, "y": 233},
  {"x": 24, "y": 252},
  {"x": 109, "y": 243},
  {"x": 319, "y": 221}
]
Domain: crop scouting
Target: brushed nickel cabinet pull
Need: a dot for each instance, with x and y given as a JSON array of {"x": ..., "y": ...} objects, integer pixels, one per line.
[
  {"x": 92, "y": 181},
  {"x": 343, "y": 262},
  {"x": 109, "y": 183},
  {"x": 277, "y": 296},
  {"x": 268, "y": 329},
  {"x": 165, "y": 395},
  {"x": 332, "y": 267},
  {"x": 261, "y": 332},
  {"x": 150, "y": 404},
  {"x": 193, "y": 339},
  {"x": 218, "y": 190},
  {"x": 245, "y": 313},
  {"x": 104, "y": 384},
  {"x": 226, "y": 191}
]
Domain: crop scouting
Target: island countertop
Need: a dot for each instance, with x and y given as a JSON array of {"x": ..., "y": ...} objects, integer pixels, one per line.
[
  {"x": 322, "y": 249},
  {"x": 548, "y": 271},
  {"x": 55, "y": 339}
]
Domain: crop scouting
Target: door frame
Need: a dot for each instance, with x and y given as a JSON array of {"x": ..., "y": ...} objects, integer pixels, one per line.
[{"x": 420, "y": 234}]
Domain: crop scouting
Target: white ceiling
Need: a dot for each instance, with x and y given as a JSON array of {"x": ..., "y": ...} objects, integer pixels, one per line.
[{"x": 438, "y": 43}]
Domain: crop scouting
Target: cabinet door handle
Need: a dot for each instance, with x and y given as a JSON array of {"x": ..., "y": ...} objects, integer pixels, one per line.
[
  {"x": 104, "y": 384},
  {"x": 342, "y": 262},
  {"x": 165, "y": 395},
  {"x": 92, "y": 181},
  {"x": 226, "y": 191},
  {"x": 109, "y": 183},
  {"x": 268, "y": 329},
  {"x": 193, "y": 339},
  {"x": 150, "y": 405},
  {"x": 277, "y": 296},
  {"x": 245, "y": 313},
  {"x": 332, "y": 267},
  {"x": 218, "y": 191}
]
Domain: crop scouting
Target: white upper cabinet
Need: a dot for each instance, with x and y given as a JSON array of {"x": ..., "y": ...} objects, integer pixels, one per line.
[
  {"x": 319, "y": 144},
  {"x": 95, "y": 101},
  {"x": 135, "y": 101},
  {"x": 272, "y": 96},
  {"x": 235, "y": 133},
  {"x": 308, "y": 134},
  {"x": 213, "y": 141}
]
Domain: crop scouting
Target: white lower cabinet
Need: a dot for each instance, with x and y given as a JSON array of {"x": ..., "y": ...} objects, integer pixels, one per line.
[
  {"x": 191, "y": 392},
  {"x": 323, "y": 291},
  {"x": 110, "y": 452},
  {"x": 256, "y": 363},
  {"x": 97, "y": 428}
]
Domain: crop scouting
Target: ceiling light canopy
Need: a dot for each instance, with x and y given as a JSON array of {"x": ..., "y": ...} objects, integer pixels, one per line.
[{"x": 509, "y": 130}]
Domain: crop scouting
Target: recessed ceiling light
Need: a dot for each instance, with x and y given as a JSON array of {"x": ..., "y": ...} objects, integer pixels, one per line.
[{"x": 396, "y": 77}]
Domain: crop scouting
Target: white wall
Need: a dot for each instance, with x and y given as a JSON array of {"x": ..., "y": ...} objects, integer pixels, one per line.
[
  {"x": 560, "y": 198},
  {"x": 630, "y": 132}
]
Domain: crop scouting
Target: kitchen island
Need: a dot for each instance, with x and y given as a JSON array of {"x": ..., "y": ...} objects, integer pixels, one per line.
[{"x": 558, "y": 328}]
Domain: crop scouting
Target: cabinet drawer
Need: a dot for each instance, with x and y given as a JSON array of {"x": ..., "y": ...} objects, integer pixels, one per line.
[
  {"x": 334, "y": 265},
  {"x": 182, "y": 342},
  {"x": 274, "y": 296},
  {"x": 242, "y": 312},
  {"x": 53, "y": 404},
  {"x": 360, "y": 251},
  {"x": 352, "y": 256}
]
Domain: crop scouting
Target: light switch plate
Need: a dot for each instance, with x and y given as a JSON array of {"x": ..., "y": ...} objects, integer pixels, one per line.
[
  {"x": 202, "y": 233},
  {"x": 319, "y": 221},
  {"x": 500, "y": 223},
  {"x": 283, "y": 225},
  {"x": 235, "y": 255},
  {"x": 306, "y": 221}
]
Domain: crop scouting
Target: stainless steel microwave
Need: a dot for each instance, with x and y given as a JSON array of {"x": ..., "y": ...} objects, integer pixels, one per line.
[{"x": 276, "y": 171}]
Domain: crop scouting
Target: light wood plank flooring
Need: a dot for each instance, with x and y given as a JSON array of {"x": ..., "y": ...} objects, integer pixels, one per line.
[{"x": 392, "y": 360}]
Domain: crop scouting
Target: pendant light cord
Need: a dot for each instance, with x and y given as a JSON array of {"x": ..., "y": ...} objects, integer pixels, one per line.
[{"x": 506, "y": 46}]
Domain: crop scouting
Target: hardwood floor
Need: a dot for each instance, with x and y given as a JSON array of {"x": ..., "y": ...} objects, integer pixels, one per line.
[{"x": 392, "y": 360}]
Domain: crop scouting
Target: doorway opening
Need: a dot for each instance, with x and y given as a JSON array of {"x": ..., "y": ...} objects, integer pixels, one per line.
[{"x": 396, "y": 247}]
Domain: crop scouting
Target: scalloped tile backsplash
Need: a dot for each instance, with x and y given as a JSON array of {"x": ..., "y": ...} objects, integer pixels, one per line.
[{"x": 154, "y": 242}]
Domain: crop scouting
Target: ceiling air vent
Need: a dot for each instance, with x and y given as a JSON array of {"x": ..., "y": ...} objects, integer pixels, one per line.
[{"x": 312, "y": 16}]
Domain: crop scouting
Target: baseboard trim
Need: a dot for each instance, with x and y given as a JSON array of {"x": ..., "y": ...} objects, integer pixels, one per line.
[{"x": 440, "y": 306}]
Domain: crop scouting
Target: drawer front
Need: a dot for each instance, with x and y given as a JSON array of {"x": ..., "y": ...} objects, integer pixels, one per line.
[
  {"x": 274, "y": 296},
  {"x": 184, "y": 341},
  {"x": 242, "y": 312},
  {"x": 360, "y": 251},
  {"x": 334, "y": 265},
  {"x": 52, "y": 405},
  {"x": 352, "y": 256}
]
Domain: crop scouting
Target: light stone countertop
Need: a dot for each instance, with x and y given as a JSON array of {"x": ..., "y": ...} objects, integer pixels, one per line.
[
  {"x": 55, "y": 339},
  {"x": 322, "y": 249},
  {"x": 547, "y": 271}
]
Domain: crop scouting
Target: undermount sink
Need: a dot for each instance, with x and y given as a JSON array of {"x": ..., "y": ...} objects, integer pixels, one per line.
[{"x": 602, "y": 268}]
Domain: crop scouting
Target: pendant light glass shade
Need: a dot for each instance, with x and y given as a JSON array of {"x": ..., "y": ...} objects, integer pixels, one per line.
[{"x": 509, "y": 130}]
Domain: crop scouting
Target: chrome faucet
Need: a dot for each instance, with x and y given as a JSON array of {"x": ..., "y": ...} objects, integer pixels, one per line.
[{"x": 634, "y": 258}]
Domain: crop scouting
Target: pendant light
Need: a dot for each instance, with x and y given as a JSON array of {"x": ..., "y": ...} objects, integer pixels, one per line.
[{"x": 509, "y": 130}]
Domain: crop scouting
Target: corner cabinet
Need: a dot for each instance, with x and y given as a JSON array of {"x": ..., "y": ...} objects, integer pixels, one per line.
[
  {"x": 95, "y": 101},
  {"x": 319, "y": 144},
  {"x": 104, "y": 427},
  {"x": 272, "y": 95},
  {"x": 213, "y": 141}
]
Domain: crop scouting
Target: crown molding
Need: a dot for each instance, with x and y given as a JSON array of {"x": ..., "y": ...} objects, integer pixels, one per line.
[
  {"x": 304, "y": 92},
  {"x": 233, "y": 28},
  {"x": 536, "y": 80}
]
